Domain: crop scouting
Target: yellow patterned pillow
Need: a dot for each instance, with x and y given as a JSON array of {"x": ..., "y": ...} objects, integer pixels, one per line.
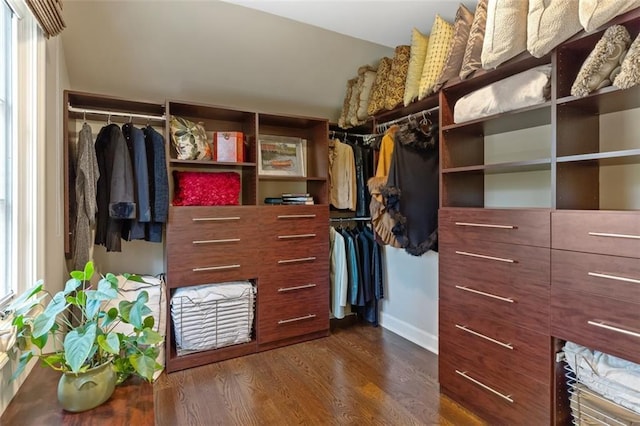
[
  {"x": 379, "y": 89},
  {"x": 440, "y": 41},
  {"x": 419, "y": 44},
  {"x": 397, "y": 77}
]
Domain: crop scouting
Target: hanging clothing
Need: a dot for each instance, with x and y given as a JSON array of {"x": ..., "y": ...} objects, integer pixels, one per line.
[
  {"x": 381, "y": 220},
  {"x": 115, "y": 188},
  {"x": 342, "y": 176},
  {"x": 158, "y": 183},
  {"x": 87, "y": 174},
  {"x": 364, "y": 171},
  {"x": 411, "y": 194},
  {"x": 134, "y": 137},
  {"x": 338, "y": 273}
]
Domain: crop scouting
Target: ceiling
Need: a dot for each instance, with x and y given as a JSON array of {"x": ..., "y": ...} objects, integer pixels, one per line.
[
  {"x": 296, "y": 59},
  {"x": 388, "y": 23}
]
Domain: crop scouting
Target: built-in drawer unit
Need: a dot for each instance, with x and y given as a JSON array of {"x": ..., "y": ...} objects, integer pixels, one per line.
[
  {"x": 602, "y": 323},
  {"x": 211, "y": 244},
  {"x": 519, "y": 349},
  {"x": 604, "y": 232},
  {"x": 528, "y": 227},
  {"x": 504, "y": 399}
]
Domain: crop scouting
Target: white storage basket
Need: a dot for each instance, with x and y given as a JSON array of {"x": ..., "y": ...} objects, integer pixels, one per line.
[{"x": 212, "y": 316}]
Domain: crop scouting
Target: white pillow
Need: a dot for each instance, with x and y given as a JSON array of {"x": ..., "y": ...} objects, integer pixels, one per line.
[
  {"x": 506, "y": 31},
  {"x": 549, "y": 23},
  {"x": 595, "y": 13},
  {"x": 517, "y": 91}
]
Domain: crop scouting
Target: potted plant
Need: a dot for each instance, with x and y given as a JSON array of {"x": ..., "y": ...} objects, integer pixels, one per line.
[{"x": 81, "y": 323}]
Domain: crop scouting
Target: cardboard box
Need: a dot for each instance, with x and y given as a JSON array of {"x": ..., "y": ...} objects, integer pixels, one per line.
[{"x": 228, "y": 146}]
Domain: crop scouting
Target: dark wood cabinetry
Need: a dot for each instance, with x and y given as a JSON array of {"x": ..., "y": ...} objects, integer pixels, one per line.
[
  {"x": 283, "y": 250},
  {"x": 517, "y": 282}
]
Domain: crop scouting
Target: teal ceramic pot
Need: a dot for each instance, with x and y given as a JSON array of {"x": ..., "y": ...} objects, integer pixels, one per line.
[{"x": 84, "y": 391}]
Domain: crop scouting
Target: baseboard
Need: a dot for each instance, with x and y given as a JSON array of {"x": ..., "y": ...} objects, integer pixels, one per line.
[{"x": 410, "y": 332}]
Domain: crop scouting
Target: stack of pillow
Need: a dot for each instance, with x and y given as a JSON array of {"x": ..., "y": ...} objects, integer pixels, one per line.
[{"x": 496, "y": 32}]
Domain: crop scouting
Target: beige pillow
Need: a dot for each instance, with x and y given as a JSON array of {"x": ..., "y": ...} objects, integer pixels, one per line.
[
  {"x": 419, "y": 44},
  {"x": 595, "y": 13},
  {"x": 453, "y": 63},
  {"x": 629, "y": 75},
  {"x": 473, "y": 51},
  {"x": 368, "y": 78},
  {"x": 354, "y": 101},
  {"x": 439, "y": 46},
  {"x": 603, "y": 59},
  {"x": 342, "y": 121},
  {"x": 397, "y": 77},
  {"x": 379, "y": 89},
  {"x": 549, "y": 23},
  {"x": 506, "y": 32}
]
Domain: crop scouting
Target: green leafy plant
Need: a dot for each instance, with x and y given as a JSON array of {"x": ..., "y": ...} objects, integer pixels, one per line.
[{"x": 82, "y": 323}]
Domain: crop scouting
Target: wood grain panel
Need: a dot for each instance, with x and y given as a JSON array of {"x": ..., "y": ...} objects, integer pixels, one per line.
[
  {"x": 305, "y": 313},
  {"x": 501, "y": 266},
  {"x": 297, "y": 275},
  {"x": 529, "y": 311},
  {"x": 528, "y": 227},
  {"x": 188, "y": 223},
  {"x": 600, "y": 275},
  {"x": 274, "y": 219},
  {"x": 224, "y": 263},
  {"x": 176, "y": 363},
  {"x": 571, "y": 312},
  {"x": 531, "y": 399},
  {"x": 604, "y": 232},
  {"x": 530, "y": 352}
]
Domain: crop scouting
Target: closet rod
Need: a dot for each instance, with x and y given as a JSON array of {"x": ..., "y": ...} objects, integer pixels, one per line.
[
  {"x": 383, "y": 126},
  {"x": 116, "y": 113},
  {"x": 348, "y": 219},
  {"x": 333, "y": 133}
]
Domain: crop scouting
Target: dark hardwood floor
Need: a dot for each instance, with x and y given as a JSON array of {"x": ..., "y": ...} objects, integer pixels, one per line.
[{"x": 358, "y": 375}]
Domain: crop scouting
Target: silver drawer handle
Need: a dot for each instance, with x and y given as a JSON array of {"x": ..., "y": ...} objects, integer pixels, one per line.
[
  {"x": 210, "y": 219},
  {"x": 482, "y": 256},
  {"x": 482, "y": 293},
  {"x": 296, "y": 216},
  {"x": 602, "y": 324},
  {"x": 475, "y": 333},
  {"x": 297, "y": 319},
  {"x": 501, "y": 395},
  {"x": 300, "y": 259},
  {"x": 228, "y": 240},
  {"x": 614, "y": 277},
  {"x": 215, "y": 268},
  {"x": 288, "y": 237},
  {"x": 486, "y": 225},
  {"x": 606, "y": 234},
  {"x": 298, "y": 287}
]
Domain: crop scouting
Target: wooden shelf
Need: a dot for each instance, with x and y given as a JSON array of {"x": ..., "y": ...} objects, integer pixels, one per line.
[
  {"x": 208, "y": 163},
  {"x": 509, "y": 167},
  {"x": 606, "y": 100},
  {"x": 532, "y": 116},
  {"x": 293, "y": 178},
  {"x": 609, "y": 158}
]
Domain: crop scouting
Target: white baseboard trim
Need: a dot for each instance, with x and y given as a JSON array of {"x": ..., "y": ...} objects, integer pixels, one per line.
[{"x": 410, "y": 332}]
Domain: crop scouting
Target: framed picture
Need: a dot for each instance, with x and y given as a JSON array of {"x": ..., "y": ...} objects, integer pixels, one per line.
[{"x": 281, "y": 156}]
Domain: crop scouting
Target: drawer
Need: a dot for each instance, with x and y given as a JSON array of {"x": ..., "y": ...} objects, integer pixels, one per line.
[
  {"x": 604, "y": 232},
  {"x": 516, "y": 349},
  {"x": 285, "y": 250},
  {"x": 601, "y": 323},
  {"x": 210, "y": 224},
  {"x": 529, "y": 227},
  {"x": 501, "y": 267},
  {"x": 601, "y": 275},
  {"x": 288, "y": 291},
  {"x": 296, "y": 276},
  {"x": 502, "y": 398},
  {"x": 286, "y": 318},
  {"x": 526, "y": 310},
  {"x": 224, "y": 262},
  {"x": 291, "y": 220},
  {"x": 290, "y": 259}
]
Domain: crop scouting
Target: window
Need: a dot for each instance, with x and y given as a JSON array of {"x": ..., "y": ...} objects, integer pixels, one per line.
[
  {"x": 7, "y": 60},
  {"x": 22, "y": 62}
]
